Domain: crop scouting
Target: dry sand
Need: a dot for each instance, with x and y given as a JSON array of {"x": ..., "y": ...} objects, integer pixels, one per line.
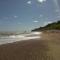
[{"x": 46, "y": 48}]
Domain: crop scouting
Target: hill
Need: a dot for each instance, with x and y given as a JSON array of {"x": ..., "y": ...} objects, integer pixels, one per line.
[{"x": 51, "y": 26}]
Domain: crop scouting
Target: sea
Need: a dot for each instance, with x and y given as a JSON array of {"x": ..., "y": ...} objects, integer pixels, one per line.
[{"x": 21, "y": 37}]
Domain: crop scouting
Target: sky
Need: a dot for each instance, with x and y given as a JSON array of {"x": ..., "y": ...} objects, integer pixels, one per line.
[{"x": 21, "y": 15}]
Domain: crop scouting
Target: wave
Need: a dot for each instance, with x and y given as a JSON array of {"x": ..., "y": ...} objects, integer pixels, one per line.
[{"x": 14, "y": 38}]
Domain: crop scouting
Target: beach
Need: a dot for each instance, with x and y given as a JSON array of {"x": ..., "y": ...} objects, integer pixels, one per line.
[{"x": 45, "y": 48}]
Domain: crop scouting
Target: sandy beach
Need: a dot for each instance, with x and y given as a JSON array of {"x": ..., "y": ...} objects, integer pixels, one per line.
[{"x": 46, "y": 48}]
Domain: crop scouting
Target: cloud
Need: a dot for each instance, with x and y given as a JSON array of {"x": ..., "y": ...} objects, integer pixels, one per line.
[
  {"x": 57, "y": 10},
  {"x": 9, "y": 17},
  {"x": 15, "y": 16},
  {"x": 36, "y": 21},
  {"x": 58, "y": 16},
  {"x": 56, "y": 5},
  {"x": 47, "y": 22},
  {"x": 29, "y": 2},
  {"x": 41, "y": 15},
  {"x": 41, "y": 1},
  {"x": 19, "y": 23}
]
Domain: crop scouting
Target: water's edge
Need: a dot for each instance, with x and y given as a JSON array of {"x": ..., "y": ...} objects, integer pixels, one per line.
[{"x": 14, "y": 38}]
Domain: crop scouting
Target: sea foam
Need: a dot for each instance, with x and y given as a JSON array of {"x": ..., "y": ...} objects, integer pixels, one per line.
[{"x": 14, "y": 38}]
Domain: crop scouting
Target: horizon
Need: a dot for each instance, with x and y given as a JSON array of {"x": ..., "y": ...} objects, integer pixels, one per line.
[{"x": 25, "y": 15}]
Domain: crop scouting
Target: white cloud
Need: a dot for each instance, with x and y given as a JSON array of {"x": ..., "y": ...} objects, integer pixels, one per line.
[
  {"x": 48, "y": 22},
  {"x": 29, "y": 2},
  {"x": 19, "y": 23},
  {"x": 35, "y": 21},
  {"x": 10, "y": 17},
  {"x": 56, "y": 5},
  {"x": 57, "y": 10},
  {"x": 15, "y": 16},
  {"x": 58, "y": 16},
  {"x": 41, "y": 15},
  {"x": 41, "y": 1}
]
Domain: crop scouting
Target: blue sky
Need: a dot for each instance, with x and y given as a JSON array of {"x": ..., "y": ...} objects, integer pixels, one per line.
[{"x": 21, "y": 15}]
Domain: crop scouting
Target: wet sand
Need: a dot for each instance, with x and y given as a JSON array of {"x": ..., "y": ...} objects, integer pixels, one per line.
[{"x": 46, "y": 48}]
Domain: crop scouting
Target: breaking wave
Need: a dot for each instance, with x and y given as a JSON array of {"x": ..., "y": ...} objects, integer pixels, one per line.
[{"x": 14, "y": 38}]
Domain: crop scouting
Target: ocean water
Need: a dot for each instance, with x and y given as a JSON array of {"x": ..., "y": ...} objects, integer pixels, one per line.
[{"x": 14, "y": 38}]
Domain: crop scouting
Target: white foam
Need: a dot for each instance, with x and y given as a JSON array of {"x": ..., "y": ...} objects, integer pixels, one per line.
[{"x": 14, "y": 38}]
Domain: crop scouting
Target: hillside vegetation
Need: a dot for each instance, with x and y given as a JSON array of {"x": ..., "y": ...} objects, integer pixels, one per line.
[{"x": 52, "y": 26}]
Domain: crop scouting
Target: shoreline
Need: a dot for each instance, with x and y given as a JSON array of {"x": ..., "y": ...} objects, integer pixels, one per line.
[
  {"x": 47, "y": 48},
  {"x": 18, "y": 38}
]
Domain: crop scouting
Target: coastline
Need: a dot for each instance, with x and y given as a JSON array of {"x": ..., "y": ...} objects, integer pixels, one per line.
[
  {"x": 46, "y": 48},
  {"x": 18, "y": 38}
]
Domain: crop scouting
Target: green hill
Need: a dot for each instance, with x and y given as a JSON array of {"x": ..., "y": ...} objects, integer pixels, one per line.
[{"x": 52, "y": 26}]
